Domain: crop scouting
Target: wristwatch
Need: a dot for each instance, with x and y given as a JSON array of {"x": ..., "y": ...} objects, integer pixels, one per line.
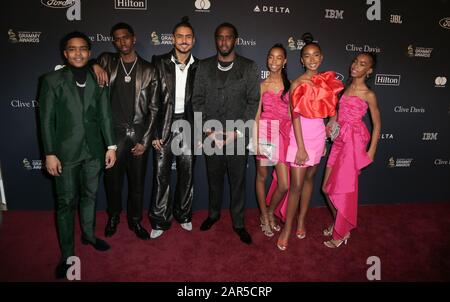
[{"x": 112, "y": 147}]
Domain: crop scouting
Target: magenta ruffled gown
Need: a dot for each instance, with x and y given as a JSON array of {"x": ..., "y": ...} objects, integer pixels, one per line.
[{"x": 348, "y": 156}]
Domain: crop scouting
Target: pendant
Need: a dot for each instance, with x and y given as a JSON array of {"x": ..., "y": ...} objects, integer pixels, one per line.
[{"x": 127, "y": 79}]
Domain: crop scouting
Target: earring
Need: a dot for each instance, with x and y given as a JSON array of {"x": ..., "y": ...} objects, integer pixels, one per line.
[{"x": 283, "y": 65}]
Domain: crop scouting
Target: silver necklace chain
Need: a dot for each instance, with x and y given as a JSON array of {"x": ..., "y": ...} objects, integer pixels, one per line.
[
  {"x": 127, "y": 77},
  {"x": 221, "y": 68}
]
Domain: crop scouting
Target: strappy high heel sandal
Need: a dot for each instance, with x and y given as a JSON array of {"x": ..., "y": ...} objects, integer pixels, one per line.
[
  {"x": 301, "y": 234},
  {"x": 273, "y": 224},
  {"x": 329, "y": 230},
  {"x": 282, "y": 244},
  {"x": 265, "y": 228},
  {"x": 332, "y": 244}
]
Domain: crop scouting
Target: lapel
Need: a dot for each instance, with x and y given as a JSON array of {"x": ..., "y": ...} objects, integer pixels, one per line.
[
  {"x": 114, "y": 65},
  {"x": 169, "y": 76},
  {"x": 89, "y": 90},
  {"x": 190, "y": 80},
  {"x": 71, "y": 86},
  {"x": 139, "y": 78}
]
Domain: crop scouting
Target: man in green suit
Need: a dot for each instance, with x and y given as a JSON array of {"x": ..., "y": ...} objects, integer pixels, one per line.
[{"x": 76, "y": 123}]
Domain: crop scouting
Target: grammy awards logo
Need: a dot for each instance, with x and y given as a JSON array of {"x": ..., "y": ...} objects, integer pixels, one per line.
[
  {"x": 155, "y": 38},
  {"x": 12, "y": 36},
  {"x": 295, "y": 44}
]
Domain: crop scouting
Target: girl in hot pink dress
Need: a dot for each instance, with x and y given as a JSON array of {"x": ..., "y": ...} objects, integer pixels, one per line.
[
  {"x": 273, "y": 126},
  {"x": 313, "y": 98},
  {"x": 349, "y": 154}
]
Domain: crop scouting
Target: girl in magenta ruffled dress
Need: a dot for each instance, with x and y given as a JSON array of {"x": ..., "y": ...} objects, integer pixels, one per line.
[
  {"x": 273, "y": 126},
  {"x": 349, "y": 153},
  {"x": 313, "y": 98}
]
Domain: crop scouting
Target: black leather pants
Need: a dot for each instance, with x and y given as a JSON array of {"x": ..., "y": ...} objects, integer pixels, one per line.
[
  {"x": 135, "y": 168},
  {"x": 163, "y": 207}
]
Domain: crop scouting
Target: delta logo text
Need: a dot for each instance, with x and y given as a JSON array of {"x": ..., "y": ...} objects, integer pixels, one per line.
[
  {"x": 386, "y": 136},
  {"x": 130, "y": 4},
  {"x": 387, "y": 79},
  {"x": 23, "y": 36},
  {"x": 202, "y": 6},
  {"x": 271, "y": 9}
]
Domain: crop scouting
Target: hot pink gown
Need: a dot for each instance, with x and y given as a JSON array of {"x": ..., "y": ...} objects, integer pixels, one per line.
[{"x": 348, "y": 156}]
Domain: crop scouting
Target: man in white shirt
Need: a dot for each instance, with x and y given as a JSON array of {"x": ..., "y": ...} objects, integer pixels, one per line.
[{"x": 176, "y": 73}]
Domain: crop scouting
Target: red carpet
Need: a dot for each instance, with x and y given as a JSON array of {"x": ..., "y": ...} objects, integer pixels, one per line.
[{"x": 411, "y": 240}]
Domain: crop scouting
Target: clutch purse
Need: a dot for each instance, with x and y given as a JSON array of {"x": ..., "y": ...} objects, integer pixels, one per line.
[
  {"x": 334, "y": 131},
  {"x": 267, "y": 149}
]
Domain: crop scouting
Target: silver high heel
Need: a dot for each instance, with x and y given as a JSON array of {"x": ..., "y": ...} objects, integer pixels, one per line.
[
  {"x": 332, "y": 244},
  {"x": 329, "y": 230}
]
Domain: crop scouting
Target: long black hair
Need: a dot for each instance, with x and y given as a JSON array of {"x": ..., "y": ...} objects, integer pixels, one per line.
[{"x": 284, "y": 77}]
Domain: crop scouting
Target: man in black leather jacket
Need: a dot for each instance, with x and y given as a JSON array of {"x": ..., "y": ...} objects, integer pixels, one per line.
[
  {"x": 133, "y": 84},
  {"x": 176, "y": 73}
]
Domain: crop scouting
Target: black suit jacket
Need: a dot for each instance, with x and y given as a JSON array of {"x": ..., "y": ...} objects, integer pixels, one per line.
[
  {"x": 146, "y": 89},
  {"x": 236, "y": 99},
  {"x": 163, "y": 107}
]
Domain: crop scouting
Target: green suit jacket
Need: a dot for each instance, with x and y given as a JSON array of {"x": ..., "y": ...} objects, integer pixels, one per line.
[{"x": 69, "y": 123}]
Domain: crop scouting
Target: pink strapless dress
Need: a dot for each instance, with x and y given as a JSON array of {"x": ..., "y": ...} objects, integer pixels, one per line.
[
  {"x": 348, "y": 156},
  {"x": 275, "y": 124},
  {"x": 311, "y": 103}
]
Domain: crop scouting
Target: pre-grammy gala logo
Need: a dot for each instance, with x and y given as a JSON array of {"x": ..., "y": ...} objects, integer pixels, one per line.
[{"x": 73, "y": 7}]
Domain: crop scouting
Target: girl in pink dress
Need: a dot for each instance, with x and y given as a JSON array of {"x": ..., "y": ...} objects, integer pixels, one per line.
[
  {"x": 273, "y": 126},
  {"x": 313, "y": 98},
  {"x": 348, "y": 154}
]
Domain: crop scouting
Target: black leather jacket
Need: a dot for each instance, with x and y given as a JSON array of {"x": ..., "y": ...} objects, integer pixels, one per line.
[
  {"x": 146, "y": 90},
  {"x": 164, "y": 106}
]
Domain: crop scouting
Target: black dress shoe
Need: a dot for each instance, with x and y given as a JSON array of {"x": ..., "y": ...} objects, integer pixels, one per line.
[
  {"x": 207, "y": 224},
  {"x": 243, "y": 235},
  {"x": 98, "y": 244},
  {"x": 111, "y": 225},
  {"x": 61, "y": 269},
  {"x": 140, "y": 232}
]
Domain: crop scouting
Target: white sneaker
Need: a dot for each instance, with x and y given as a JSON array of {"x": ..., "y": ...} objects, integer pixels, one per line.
[
  {"x": 187, "y": 226},
  {"x": 156, "y": 233}
]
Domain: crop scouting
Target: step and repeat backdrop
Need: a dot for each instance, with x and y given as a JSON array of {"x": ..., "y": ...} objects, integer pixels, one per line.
[{"x": 412, "y": 42}]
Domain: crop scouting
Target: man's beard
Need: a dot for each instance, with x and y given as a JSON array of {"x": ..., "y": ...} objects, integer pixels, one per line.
[
  {"x": 226, "y": 53},
  {"x": 179, "y": 49}
]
